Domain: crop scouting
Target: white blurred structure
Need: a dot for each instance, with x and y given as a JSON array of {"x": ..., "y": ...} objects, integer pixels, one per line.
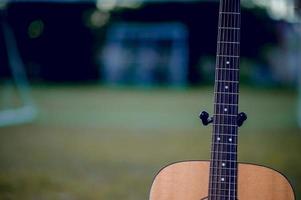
[
  {"x": 298, "y": 27},
  {"x": 299, "y": 106},
  {"x": 146, "y": 54},
  {"x": 277, "y": 9},
  {"x": 26, "y": 112}
]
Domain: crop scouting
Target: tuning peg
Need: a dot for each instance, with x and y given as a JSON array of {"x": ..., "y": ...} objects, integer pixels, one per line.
[
  {"x": 204, "y": 116},
  {"x": 241, "y": 118}
]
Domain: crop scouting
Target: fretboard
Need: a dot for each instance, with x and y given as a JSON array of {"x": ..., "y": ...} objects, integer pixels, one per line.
[{"x": 223, "y": 166}]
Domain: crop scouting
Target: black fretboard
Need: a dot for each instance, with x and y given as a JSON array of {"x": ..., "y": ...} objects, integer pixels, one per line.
[{"x": 223, "y": 166}]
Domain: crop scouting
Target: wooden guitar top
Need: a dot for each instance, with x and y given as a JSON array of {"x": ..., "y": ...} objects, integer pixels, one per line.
[{"x": 189, "y": 181}]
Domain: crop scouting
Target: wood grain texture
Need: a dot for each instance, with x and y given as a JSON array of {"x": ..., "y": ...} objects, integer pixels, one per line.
[{"x": 189, "y": 181}]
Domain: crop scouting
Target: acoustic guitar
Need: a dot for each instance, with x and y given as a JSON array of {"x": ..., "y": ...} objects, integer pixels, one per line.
[{"x": 223, "y": 178}]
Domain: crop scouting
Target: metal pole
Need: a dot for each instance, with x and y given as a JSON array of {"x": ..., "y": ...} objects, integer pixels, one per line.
[{"x": 27, "y": 112}]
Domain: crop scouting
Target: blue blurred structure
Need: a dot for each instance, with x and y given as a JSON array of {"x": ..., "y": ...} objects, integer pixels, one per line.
[
  {"x": 146, "y": 54},
  {"x": 26, "y": 112},
  {"x": 299, "y": 101},
  {"x": 299, "y": 31},
  {"x": 298, "y": 27},
  {"x": 284, "y": 59}
]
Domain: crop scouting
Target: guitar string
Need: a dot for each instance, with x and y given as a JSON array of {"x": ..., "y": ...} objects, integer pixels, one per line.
[
  {"x": 231, "y": 101},
  {"x": 215, "y": 128},
  {"x": 231, "y": 131},
  {"x": 234, "y": 101},
  {"x": 237, "y": 51},
  {"x": 227, "y": 78},
  {"x": 226, "y": 52},
  {"x": 212, "y": 163},
  {"x": 219, "y": 100},
  {"x": 221, "y": 128},
  {"x": 237, "y": 87},
  {"x": 221, "y": 97},
  {"x": 229, "y": 50}
]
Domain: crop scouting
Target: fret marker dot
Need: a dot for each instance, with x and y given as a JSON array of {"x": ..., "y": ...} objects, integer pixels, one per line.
[
  {"x": 218, "y": 139},
  {"x": 226, "y": 87},
  {"x": 223, "y": 164},
  {"x": 226, "y": 109},
  {"x": 228, "y": 62},
  {"x": 223, "y": 179},
  {"x": 230, "y": 139}
]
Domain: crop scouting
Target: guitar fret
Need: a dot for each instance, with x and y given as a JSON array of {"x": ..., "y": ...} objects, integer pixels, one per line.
[
  {"x": 234, "y": 93},
  {"x": 233, "y": 161},
  {"x": 232, "y": 28},
  {"x": 234, "y": 13},
  {"x": 224, "y": 152},
  {"x": 231, "y": 56},
  {"x": 227, "y": 115},
  {"x": 225, "y": 168},
  {"x": 232, "y": 125},
  {"x": 232, "y": 195},
  {"x": 226, "y": 81},
  {"x": 225, "y": 196},
  {"x": 223, "y": 143},
  {"x": 221, "y": 134},
  {"x": 230, "y": 189},
  {"x": 226, "y": 42},
  {"x": 221, "y": 189},
  {"x": 227, "y": 69},
  {"x": 224, "y": 175},
  {"x": 221, "y": 195},
  {"x": 217, "y": 182},
  {"x": 229, "y": 104},
  {"x": 230, "y": 115}
]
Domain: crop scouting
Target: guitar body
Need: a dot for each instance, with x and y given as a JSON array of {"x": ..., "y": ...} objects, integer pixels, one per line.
[
  {"x": 190, "y": 181},
  {"x": 223, "y": 178}
]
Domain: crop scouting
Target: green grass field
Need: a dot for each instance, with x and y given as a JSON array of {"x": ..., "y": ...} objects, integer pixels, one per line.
[{"x": 91, "y": 142}]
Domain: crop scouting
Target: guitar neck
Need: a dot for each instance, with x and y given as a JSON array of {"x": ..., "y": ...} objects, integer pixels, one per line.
[{"x": 223, "y": 167}]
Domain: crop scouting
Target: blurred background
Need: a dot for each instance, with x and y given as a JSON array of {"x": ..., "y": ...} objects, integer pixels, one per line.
[{"x": 97, "y": 96}]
